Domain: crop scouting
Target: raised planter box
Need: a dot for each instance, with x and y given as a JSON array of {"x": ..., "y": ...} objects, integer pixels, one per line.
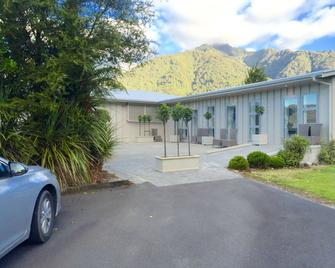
[
  {"x": 144, "y": 139},
  {"x": 177, "y": 163},
  {"x": 311, "y": 156},
  {"x": 207, "y": 140},
  {"x": 174, "y": 138},
  {"x": 259, "y": 139}
]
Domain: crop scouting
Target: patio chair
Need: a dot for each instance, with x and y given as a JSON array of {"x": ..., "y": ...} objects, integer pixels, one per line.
[
  {"x": 228, "y": 137},
  {"x": 200, "y": 133},
  {"x": 311, "y": 132},
  {"x": 154, "y": 133}
]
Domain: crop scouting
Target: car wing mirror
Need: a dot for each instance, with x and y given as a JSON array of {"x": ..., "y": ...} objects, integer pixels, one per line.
[{"x": 17, "y": 169}]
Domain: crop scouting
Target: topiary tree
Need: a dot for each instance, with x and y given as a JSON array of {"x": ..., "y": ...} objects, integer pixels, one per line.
[
  {"x": 258, "y": 159},
  {"x": 140, "y": 120},
  {"x": 294, "y": 150},
  {"x": 238, "y": 163},
  {"x": 177, "y": 115},
  {"x": 163, "y": 114},
  {"x": 144, "y": 120},
  {"x": 187, "y": 117},
  {"x": 149, "y": 121},
  {"x": 208, "y": 116}
]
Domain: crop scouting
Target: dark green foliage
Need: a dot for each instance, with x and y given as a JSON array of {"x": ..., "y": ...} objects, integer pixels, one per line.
[
  {"x": 177, "y": 113},
  {"x": 259, "y": 109},
  {"x": 327, "y": 153},
  {"x": 258, "y": 159},
  {"x": 255, "y": 74},
  {"x": 276, "y": 162},
  {"x": 208, "y": 115},
  {"x": 56, "y": 60},
  {"x": 294, "y": 150},
  {"x": 238, "y": 163}
]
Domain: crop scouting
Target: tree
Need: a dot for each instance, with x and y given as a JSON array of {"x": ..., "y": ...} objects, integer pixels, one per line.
[
  {"x": 255, "y": 74},
  {"x": 208, "y": 116},
  {"x": 187, "y": 117},
  {"x": 163, "y": 114},
  {"x": 149, "y": 121},
  {"x": 177, "y": 115},
  {"x": 57, "y": 59},
  {"x": 140, "y": 120}
]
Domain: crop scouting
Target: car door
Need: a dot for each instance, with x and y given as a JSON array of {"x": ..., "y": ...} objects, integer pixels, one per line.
[{"x": 15, "y": 208}]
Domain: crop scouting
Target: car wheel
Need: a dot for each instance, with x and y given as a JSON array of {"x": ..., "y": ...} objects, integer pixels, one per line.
[{"x": 43, "y": 218}]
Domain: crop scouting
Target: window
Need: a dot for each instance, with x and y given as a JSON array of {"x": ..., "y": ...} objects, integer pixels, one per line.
[
  {"x": 211, "y": 126},
  {"x": 4, "y": 172},
  {"x": 194, "y": 123},
  {"x": 310, "y": 108},
  {"x": 231, "y": 117},
  {"x": 135, "y": 111},
  {"x": 254, "y": 119},
  {"x": 152, "y": 111},
  {"x": 290, "y": 116}
]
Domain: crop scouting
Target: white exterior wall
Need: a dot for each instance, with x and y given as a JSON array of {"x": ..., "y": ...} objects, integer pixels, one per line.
[
  {"x": 273, "y": 118},
  {"x": 333, "y": 109},
  {"x": 127, "y": 131}
]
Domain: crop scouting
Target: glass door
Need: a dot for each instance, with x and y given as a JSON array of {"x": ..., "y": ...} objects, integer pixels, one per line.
[
  {"x": 291, "y": 116},
  {"x": 231, "y": 117}
]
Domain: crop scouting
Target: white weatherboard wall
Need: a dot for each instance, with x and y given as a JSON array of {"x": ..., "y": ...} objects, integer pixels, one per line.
[
  {"x": 126, "y": 130},
  {"x": 333, "y": 109},
  {"x": 273, "y": 117}
]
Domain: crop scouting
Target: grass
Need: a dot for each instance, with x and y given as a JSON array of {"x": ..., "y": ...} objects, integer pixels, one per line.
[{"x": 315, "y": 182}]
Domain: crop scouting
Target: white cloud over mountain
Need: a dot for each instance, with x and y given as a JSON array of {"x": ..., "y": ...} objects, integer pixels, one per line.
[{"x": 276, "y": 23}]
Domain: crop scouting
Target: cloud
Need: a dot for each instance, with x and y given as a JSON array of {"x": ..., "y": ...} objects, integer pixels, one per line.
[{"x": 283, "y": 24}]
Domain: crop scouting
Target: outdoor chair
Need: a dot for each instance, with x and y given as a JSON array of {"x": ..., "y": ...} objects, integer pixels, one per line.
[
  {"x": 200, "y": 133},
  {"x": 228, "y": 137},
  {"x": 311, "y": 132},
  {"x": 154, "y": 133}
]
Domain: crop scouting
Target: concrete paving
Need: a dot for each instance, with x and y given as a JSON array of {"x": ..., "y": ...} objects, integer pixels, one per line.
[
  {"x": 223, "y": 224},
  {"x": 136, "y": 162}
]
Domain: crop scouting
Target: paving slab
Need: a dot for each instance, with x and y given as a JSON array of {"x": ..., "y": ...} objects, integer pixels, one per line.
[{"x": 136, "y": 162}]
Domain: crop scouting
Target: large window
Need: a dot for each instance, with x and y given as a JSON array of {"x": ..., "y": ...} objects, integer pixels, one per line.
[
  {"x": 211, "y": 126},
  {"x": 254, "y": 119},
  {"x": 231, "y": 117},
  {"x": 310, "y": 108},
  {"x": 134, "y": 110},
  {"x": 290, "y": 116},
  {"x": 194, "y": 123}
]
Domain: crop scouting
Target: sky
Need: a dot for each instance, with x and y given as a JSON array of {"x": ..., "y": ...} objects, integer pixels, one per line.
[{"x": 250, "y": 24}]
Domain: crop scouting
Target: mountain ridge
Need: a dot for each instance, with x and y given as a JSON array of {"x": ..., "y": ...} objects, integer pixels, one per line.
[{"x": 209, "y": 67}]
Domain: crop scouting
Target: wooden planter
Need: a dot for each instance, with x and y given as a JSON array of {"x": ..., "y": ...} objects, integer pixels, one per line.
[
  {"x": 259, "y": 139},
  {"x": 144, "y": 139},
  {"x": 177, "y": 163},
  {"x": 207, "y": 140}
]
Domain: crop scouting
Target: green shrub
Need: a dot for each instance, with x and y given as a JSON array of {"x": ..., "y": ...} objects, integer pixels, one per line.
[
  {"x": 294, "y": 150},
  {"x": 327, "y": 153},
  {"x": 276, "y": 162},
  {"x": 258, "y": 159},
  {"x": 238, "y": 163}
]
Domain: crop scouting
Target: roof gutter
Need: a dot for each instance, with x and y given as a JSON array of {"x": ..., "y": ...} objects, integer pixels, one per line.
[{"x": 331, "y": 114}]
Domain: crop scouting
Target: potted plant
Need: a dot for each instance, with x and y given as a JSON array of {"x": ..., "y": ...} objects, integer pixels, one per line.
[
  {"x": 259, "y": 138},
  {"x": 180, "y": 162},
  {"x": 207, "y": 140},
  {"x": 143, "y": 119},
  {"x": 177, "y": 115},
  {"x": 187, "y": 117}
]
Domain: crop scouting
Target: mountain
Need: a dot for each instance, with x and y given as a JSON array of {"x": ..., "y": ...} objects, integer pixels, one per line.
[{"x": 211, "y": 67}]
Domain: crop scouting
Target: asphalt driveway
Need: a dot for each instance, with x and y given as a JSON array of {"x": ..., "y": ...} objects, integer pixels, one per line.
[{"x": 229, "y": 223}]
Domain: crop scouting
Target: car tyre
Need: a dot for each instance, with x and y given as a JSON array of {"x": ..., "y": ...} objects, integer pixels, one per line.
[{"x": 43, "y": 220}]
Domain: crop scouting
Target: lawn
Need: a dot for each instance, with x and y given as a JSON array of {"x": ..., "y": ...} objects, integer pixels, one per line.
[{"x": 316, "y": 182}]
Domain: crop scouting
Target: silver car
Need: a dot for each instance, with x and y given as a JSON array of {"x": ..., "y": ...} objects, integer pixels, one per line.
[{"x": 29, "y": 202}]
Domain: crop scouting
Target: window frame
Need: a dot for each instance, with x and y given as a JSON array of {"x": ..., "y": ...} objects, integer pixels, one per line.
[
  {"x": 252, "y": 126},
  {"x": 227, "y": 115},
  {"x": 316, "y": 109}
]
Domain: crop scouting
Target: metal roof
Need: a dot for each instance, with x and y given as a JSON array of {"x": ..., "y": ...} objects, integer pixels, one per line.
[{"x": 138, "y": 96}]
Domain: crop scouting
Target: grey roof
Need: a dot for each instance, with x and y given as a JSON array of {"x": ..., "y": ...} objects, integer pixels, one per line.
[
  {"x": 256, "y": 86},
  {"x": 138, "y": 96}
]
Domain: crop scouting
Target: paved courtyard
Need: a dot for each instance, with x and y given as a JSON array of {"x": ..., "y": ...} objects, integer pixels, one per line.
[{"x": 136, "y": 162}]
